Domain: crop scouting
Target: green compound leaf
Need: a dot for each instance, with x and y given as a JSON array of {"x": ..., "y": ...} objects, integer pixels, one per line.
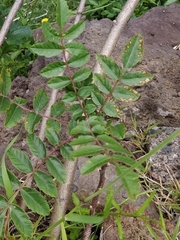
[
  {"x": 87, "y": 151},
  {"x": 45, "y": 183},
  {"x": 102, "y": 83},
  {"x": 4, "y": 104},
  {"x": 50, "y": 123},
  {"x": 118, "y": 131},
  {"x": 31, "y": 120},
  {"x": 74, "y": 31},
  {"x": 110, "y": 110},
  {"x": 133, "y": 52},
  {"x": 74, "y": 217},
  {"x": 125, "y": 94},
  {"x": 130, "y": 181},
  {"x": 53, "y": 69},
  {"x": 82, "y": 140},
  {"x": 50, "y": 33},
  {"x": 97, "y": 98},
  {"x": 20, "y": 160},
  {"x": 82, "y": 127},
  {"x": 2, "y": 219},
  {"x": 52, "y": 136},
  {"x": 13, "y": 116},
  {"x": 79, "y": 61},
  {"x": 136, "y": 79},
  {"x": 3, "y": 202},
  {"x": 75, "y": 48},
  {"x": 82, "y": 74},
  {"x": 59, "y": 82},
  {"x": 21, "y": 221},
  {"x": 40, "y": 100},
  {"x": 57, "y": 109},
  {"x": 35, "y": 201},
  {"x": 93, "y": 163},
  {"x": 36, "y": 146},
  {"x": 5, "y": 81},
  {"x": 62, "y": 13},
  {"x": 13, "y": 180},
  {"x": 69, "y": 97},
  {"x": 109, "y": 66},
  {"x": 56, "y": 169},
  {"x": 66, "y": 151},
  {"x": 47, "y": 49}
]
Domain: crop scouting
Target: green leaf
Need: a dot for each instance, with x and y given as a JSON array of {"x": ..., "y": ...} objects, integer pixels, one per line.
[
  {"x": 75, "y": 199},
  {"x": 90, "y": 108},
  {"x": 118, "y": 131},
  {"x": 93, "y": 163},
  {"x": 21, "y": 221},
  {"x": 13, "y": 116},
  {"x": 13, "y": 180},
  {"x": 53, "y": 69},
  {"x": 57, "y": 109},
  {"x": 74, "y": 217},
  {"x": 110, "y": 110},
  {"x": 130, "y": 181},
  {"x": 45, "y": 183},
  {"x": 126, "y": 160},
  {"x": 109, "y": 66},
  {"x": 89, "y": 150},
  {"x": 20, "y": 101},
  {"x": 102, "y": 83},
  {"x": 66, "y": 151},
  {"x": 82, "y": 139},
  {"x": 98, "y": 128},
  {"x": 31, "y": 120},
  {"x": 4, "y": 104},
  {"x": 82, "y": 128},
  {"x": 20, "y": 160},
  {"x": 125, "y": 94},
  {"x": 69, "y": 97},
  {"x": 74, "y": 31},
  {"x": 2, "y": 219},
  {"x": 36, "y": 146},
  {"x": 40, "y": 100},
  {"x": 47, "y": 49},
  {"x": 5, "y": 81},
  {"x": 112, "y": 144},
  {"x": 59, "y": 82},
  {"x": 3, "y": 202},
  {"x": 108, "y": 203},
  {"x": 56, "y": 169},
  {"x": 50, "y": 33},
  {"x": 82, "y": 74},
  {"x": 86, "y": 91},
  {"x": 97, "y": 98},
  {"x": 52, "y": 136},
  {"x": 136, "y": 79},
  {"x": 50, "y": 123},
  {"x": 79, "y": 61},
  {"x": 76, "y": 110},
  {"x": 35, "y": 201},
  {"x": 133, "y": 52},
  {"x": 75, "y": 48},
  {"x": 62, "y": 13}
]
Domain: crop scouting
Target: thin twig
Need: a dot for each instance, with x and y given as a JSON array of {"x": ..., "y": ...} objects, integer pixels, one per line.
[
  {"x": 116, "y": 30},
  {"x": 9, "y": 19}
]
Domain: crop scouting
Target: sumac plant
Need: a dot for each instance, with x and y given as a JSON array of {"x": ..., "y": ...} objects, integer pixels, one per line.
[{"x": 92, "y": 101}]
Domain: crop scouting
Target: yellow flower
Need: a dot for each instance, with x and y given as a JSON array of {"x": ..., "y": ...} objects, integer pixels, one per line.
[{"x": 44, "y": 20}]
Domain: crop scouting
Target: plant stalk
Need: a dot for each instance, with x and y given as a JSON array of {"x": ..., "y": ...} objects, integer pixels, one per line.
[{"x": 9, "y": 19}]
